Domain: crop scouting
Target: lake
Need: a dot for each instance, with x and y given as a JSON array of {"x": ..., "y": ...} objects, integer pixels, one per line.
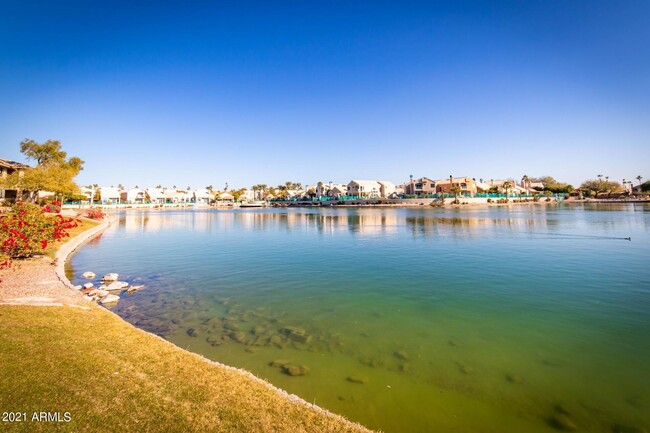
[{"x": 528, "y": 318}]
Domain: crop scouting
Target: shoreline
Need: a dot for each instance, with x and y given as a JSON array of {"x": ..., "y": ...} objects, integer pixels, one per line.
[{"x": 72, "y": 245}]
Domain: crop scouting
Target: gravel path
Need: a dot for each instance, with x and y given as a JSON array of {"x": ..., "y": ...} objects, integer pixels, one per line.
[{"x": 41, "y": 281}]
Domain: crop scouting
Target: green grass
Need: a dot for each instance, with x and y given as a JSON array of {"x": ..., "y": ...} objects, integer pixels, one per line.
[
  {"x": 112, "y": 377},
  {"x": 86, "y": 224}
]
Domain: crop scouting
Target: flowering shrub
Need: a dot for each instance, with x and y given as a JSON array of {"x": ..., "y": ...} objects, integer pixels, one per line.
[
  {"x": 28, "y": 228},
  {"x": 95, "y": 213},
  {"x": 52, "y": 207}
]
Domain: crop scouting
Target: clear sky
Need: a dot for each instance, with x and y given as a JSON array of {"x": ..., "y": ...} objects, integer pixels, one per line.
[{"x": 196, "y": 92}]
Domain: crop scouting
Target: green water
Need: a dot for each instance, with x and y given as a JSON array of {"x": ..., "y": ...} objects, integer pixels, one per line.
[{"x": 408, "y": 320}]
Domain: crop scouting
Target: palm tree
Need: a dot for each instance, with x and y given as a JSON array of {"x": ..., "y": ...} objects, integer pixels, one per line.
[
  {"x": 600, "y": 177},
  {"x": 456, "y": 191},
  {"x": 320, "y": 189},
  {"x": 639, "y": 177},
  {"x": 507, "y": 185},
  {"x": 525, "y": 180}
]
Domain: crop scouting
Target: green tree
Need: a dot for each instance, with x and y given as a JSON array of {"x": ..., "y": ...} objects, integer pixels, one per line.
[
  {"x": 456, "y": 191},
  {"x": 596, "y": 187},
  {"x": 507, "y": 185},
  {"x": 54, "y": 171}
]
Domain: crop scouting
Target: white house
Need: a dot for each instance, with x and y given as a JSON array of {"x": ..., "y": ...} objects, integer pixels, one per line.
[
  {"x": 109, "y": 195},
  {"x": 88, "y": 192},
  {"x": 201, "y": 196},
  {"x": 364, "y": 188},
  {"x": 133, "y": 196},
  {"x": 386, "y": 188},
  {"x": 156, "y": 195},
  {"x": 177, "y": 196}
]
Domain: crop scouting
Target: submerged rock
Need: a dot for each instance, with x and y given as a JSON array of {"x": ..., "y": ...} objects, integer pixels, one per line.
[
  {"x": 192, "y": 332},
  {"x": 357, "y": 379},
  {"x": 88, "y": 275},
  {"x": 514, "y": 378},
  {"x": 238, "y": 336},
  {"x": 279, "y": 363},
  {"x": 295, "y": 370},
  {"x": 562, "y": 422},
  {"x": 298, "y": 335},
  {"x": 214, "y": 340},
  {"x": 400, "y": 354},
  {"x": 561, "y": 408},
  {"x": 133, "y": 289},
  {"x": 258, "y": 330}
]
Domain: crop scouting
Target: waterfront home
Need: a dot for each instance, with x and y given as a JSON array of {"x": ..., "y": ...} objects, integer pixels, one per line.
[
  {"x": 201, "y": 196},
  {"x": 423, "y": 185},
  {"x": 467, "y": 185},
  {"x": 386, "y": 188},
  {"x": 498, "y": 184},
  {"x": 109, "y": 195},
  {"x": 224, "y": 197},
  {"x": 364, "y": 188},
  {"x": 89, "y": 193},
  {"x": 133, "y": 196},
  {"x": 156, "y": 195},
  {"x": 177, "y": 196},
  {"x": 7, "y": 168}
]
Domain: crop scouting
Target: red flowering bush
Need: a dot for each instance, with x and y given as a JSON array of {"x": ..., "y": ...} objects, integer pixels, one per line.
[
  {"x": 95, "y": 213},
  {"x": 28, "y": 228}
]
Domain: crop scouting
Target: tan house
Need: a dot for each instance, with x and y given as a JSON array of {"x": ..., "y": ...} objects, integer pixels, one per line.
[
  {"x": 7, "y": 168},
  {"x": 423, "y": 185},
  {"x": 467, "y": 185}
]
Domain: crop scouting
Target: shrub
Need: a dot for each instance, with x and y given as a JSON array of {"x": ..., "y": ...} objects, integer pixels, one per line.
[
  {"x": 95, "y": 213},
  {"x": 28, "y": 228}
]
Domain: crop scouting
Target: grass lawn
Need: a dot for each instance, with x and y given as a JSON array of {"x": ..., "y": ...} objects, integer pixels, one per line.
[
  {"x": 86, "y": 224},
  {"x": 111, "y": 376}
]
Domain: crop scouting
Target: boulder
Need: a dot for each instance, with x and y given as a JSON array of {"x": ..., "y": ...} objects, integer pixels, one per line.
[
  {"x": 298, "y": 335},
  {"x": 78, "y": 287},
  {"x": 279, "y": 363},
  {"x": 238, "y": 336},
  {"x": 357, "y": 379},
  {"x": 562, "y": 422},
  {"x": 400, "y": 354},
  {"x": 88, "y": 275},
  {"x": 514, "y": 378},
  {"x": 117, "y": 285},
  {"x": 192, "y": 332},
  {"x": 88, "y": 285},
  {"x": 214, "y": 340},
  {"x": 87, "y": 291},
  {"x": 109, "y": 299},
  {"x": 295, "y": 370},
  {"x": 133, "y": 289},
  {"x": 110, "y": 277}
]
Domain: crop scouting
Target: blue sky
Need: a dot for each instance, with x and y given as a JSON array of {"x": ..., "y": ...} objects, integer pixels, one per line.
[{"x": 198, "y": 93}]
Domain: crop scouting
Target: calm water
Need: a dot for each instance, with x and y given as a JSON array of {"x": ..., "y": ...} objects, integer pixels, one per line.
[{"x": 409, "y": 320}]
